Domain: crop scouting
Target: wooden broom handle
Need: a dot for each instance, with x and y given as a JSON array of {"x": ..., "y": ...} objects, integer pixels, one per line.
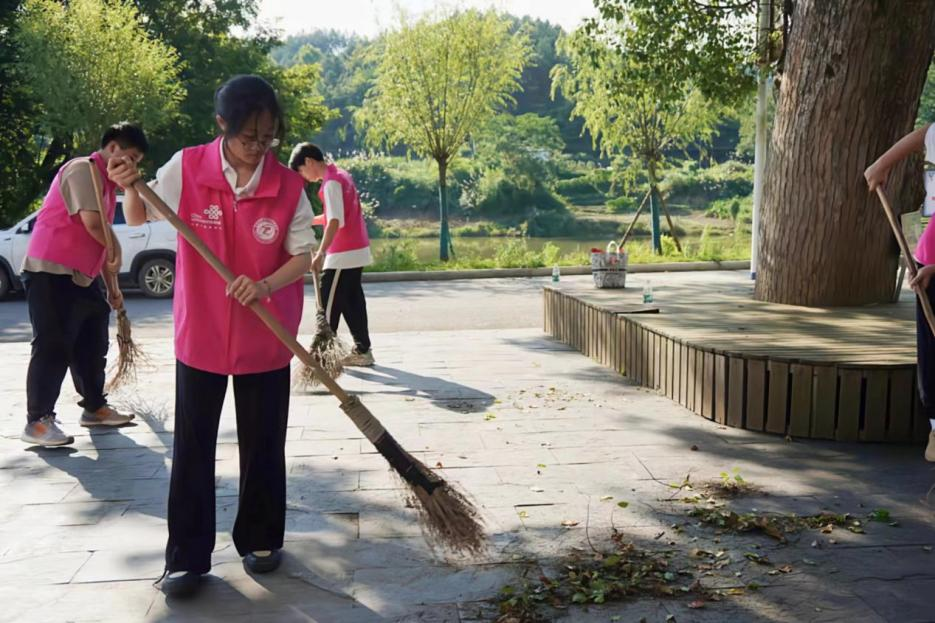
[
  {"x": 271, "y": 322},
  {"x": 907, "y": 255},
  {"x": 110, "y": 277}
]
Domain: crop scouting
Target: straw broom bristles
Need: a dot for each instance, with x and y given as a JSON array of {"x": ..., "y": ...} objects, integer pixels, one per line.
[
  {"x": 328, "y": 350},
  {"x": 129, "y": 354}
]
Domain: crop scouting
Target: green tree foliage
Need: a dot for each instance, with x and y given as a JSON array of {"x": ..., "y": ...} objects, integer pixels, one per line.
[
  {"x": 536, "y": 83},
  {"x": 927, "y": 104},
  {"x": 200, "y": 32},
  {"x": 89, "y": 64},
  {"x": 304, "y": 105},
  {"x": 348, "y": 68},
  {"x": 18, "y": 150},
  {"x": 642, "y": 105},
  {"x": 527, "y": 146},
  {"x": 440, "y": 78}
]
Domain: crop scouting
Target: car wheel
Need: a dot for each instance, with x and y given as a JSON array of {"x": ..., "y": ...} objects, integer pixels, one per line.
[
  {"x": 5, "y": 283},
  {"x": 157, "y": 278}
]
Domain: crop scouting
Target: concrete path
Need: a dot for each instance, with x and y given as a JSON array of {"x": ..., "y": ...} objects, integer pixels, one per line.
[{"x": 546, "y": 443}]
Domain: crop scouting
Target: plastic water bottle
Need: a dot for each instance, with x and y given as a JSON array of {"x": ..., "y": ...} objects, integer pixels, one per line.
[
  {"x": 648, "y": 293},
  {"x": 556, "y": 274}
]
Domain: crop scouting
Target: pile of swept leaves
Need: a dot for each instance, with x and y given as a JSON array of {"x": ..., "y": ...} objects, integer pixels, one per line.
[{"x": 626, "y": 572}]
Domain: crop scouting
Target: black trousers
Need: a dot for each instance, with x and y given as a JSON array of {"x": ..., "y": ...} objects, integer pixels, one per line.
[
  {"x": 69, "y": 329},
  {"x": 343, "y": 295},
  {"x": 925, "y": 354},
  {"x": 262, "y": 402}
]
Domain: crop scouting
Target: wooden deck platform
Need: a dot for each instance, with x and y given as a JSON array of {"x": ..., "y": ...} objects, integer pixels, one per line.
[{"x": 839, "y": 373}]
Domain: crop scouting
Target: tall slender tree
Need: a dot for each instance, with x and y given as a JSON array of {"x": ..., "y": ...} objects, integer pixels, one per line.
[{"x": 441, "y": 77}]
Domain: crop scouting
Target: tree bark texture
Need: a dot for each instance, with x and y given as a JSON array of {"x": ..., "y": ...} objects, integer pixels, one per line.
[{"x": 854, "y": 73}]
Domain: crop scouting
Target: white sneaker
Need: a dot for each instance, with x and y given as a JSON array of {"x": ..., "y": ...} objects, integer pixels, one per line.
[
  {"x": 356, "y": 359},
  {"x": 46, "y": 432},
  {"x": 930, "y": 448}
]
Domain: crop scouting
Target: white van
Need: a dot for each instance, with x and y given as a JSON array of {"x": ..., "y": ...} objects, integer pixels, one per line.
[{"x": 148, "y": 255}]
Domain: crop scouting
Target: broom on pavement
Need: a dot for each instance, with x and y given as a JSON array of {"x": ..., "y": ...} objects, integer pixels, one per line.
[
  {"x": 327, "y": 348},
  {"x": 129, "y": 353},
  {"x": 907, "y": 256},
  {"x": 448, "y": 517}
]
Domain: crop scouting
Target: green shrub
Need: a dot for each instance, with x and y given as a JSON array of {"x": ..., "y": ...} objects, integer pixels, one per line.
[
  {"x": 697, "y": 186},
  {"x": 400, "y": 186},
  {"x": 588, "y": 189},
  {"x": 549, "y": 224},
  {"x": 622, "y": 205},
  {"x": 502, "y": 199},
  {"x": 733, "y": 208},
  {"x": 396, "y": 257},
  {"x": 668, "y": 246}
]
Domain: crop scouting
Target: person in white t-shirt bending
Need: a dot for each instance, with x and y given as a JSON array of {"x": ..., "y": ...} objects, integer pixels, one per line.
[{"x": 344, "y": 250}]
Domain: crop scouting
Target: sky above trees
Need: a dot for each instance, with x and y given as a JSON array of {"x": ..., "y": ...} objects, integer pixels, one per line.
[{"x": 369, "y": 17}]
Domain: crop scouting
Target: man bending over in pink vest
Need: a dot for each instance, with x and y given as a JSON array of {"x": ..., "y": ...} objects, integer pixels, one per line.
[
  {"x": 344, "y": 250},
  {"x": 67, "y": 308}
]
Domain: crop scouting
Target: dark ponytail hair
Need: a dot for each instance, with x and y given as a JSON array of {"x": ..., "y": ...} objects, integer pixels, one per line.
[{"x": 243, "y": 96}]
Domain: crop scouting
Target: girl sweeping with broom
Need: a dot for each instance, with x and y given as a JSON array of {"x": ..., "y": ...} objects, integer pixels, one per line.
[
  {"x": 253, "y": 213},
  {"x": 876, "y": 175},
  {"x": 67, "y": 252}
]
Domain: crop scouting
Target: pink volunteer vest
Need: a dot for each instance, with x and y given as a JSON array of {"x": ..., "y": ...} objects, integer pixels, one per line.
[
  {"x": 215, "y": 333},
  {"x": 925, "y": 249},
  {"x": 353, "y": 235},
  {"x": 61, "y": 237}
]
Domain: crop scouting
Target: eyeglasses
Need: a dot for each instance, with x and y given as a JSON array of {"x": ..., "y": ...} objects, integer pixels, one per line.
[{"x": 257, "y": 145}]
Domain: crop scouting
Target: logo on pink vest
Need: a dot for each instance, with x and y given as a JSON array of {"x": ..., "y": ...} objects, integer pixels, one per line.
[
  {"x": 210, "y": 217},
  {"x": 265, "y": 231}
]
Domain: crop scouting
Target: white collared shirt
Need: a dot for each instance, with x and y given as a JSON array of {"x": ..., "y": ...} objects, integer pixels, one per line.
[{"x": 168, "y": 185}]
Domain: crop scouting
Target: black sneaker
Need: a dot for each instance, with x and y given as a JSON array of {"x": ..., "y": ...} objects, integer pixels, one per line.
[
  {"x": 257, "y": 562},
  {"x": 181, "y": 584}
]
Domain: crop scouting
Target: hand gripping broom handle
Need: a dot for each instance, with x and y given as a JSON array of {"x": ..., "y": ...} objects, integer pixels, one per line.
[
  {"x": 265, "y": 315},
  {"x": 907, "y": 255},
  {"x": 110, "y": 277}
]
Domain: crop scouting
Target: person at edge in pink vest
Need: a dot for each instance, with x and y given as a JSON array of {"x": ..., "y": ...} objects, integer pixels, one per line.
[
  {"x": 253, "y": 213},
  {"x": 344, "y": 250},
  {"x": 67, "y": 307},
  {"x": 921, "y": 139}
]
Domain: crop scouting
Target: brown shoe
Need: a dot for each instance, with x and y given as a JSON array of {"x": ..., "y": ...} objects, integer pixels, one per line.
[
  {"x": 105, "y": 416},
  {"x": 359, "y": 360}
]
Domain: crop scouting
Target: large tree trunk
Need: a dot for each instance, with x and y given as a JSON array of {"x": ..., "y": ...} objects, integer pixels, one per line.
[{"x": 855, "y": 70}]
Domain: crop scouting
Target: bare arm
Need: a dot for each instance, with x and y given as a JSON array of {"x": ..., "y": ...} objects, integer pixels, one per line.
[
  {"x": 328, "y": 236},
  {"x": 134, "y": 210},
  {"x": 91, "y": 219},
  {"x": 289, "y": 272},
  {"x": 877, "y": 174}
]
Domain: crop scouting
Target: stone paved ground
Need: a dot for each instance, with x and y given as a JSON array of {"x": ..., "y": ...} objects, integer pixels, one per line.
[{"x": 536, "y": 433}]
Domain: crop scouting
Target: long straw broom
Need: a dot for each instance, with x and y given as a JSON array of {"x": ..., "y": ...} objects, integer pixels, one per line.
[
  {"x": 327, "y": 348},
  {"x": 448, "y": 517},
  {"x": 129, "y": 353},
  {"x": 907, "y": 256}
]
